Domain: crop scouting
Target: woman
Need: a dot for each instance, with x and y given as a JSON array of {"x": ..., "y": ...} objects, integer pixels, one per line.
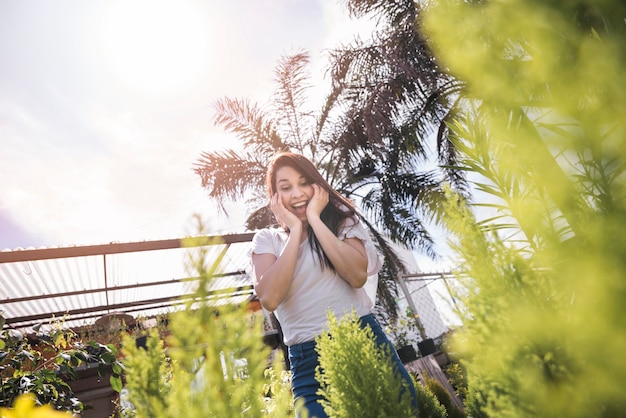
[{"x": 318, "y": 260}]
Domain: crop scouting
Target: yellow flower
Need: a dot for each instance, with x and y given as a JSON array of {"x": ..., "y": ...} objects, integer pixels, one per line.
[{"x": 24, "y": 407}]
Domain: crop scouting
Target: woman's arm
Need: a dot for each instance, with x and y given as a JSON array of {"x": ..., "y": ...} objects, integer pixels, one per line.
[
  {"x": 348, "y": 256},
  {"x": 272, "y": 275}
]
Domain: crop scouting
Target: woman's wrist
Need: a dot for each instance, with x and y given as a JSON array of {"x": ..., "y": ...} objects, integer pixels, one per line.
[
  {"x": 296, "y": 229},
  {"x": 315, "y": 221},
  {"x": 313, "y": 218}
]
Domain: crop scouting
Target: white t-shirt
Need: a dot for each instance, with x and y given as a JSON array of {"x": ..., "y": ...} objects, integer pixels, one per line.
[{"x": 313, "y": 291}]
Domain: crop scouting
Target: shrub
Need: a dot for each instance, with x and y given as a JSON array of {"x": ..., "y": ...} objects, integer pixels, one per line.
[
  {"x": 43, "y": 363},
  {"x": 277, "y": 392},
  {"x": 358, "y": 378},
  {"x": 442, "y": 396},
  {"x": 429, "y": 405},
  {"x": 475, "y": 404},
  {"x": 213, "y": 364},
  {"x": 541, "y": 250},
  {"x": 456, "y": 377}
]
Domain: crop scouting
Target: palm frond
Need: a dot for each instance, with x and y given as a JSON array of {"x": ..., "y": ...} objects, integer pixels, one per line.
[
  {"x": 289, "y": 98},
  {"x": 260, "y": 218},
  {"x": 401, "y": 223},
  {"x": 392, "y": 11},
  {"x": 229, "y": 174},
  {"x": 254, "y": 127}
]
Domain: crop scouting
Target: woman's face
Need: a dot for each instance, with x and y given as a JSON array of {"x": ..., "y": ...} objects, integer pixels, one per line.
[{"x": 294, "y": 190}]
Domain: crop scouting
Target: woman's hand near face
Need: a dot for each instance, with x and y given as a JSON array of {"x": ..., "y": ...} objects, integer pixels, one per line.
[
  {"x": 317, "y": 203},
  {"x": 282, "y": 214},
  {"x": 273, "y": 275},
  {"x": 348, "y": 256}
]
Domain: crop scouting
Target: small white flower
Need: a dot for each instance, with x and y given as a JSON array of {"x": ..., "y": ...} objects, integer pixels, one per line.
[{"x": 25, "y": 383}]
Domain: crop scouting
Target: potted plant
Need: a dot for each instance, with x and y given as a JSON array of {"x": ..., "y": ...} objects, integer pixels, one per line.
[
  {"x": 403, "y": 332},
  {"x": 427, "y": 347}
]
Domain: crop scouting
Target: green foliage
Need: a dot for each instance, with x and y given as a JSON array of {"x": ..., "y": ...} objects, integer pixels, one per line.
[
  {"x": 404, "y": 330},
  {"x": 443, "y": 397},
  {"x": 213, "y": 364},
  {"x": 543, "y": 251},
  {"x": 429, "y": 405},
  {"x": 44, "y": 363},
  {"x": 147, "y": 375},
  {"x": 277, "y": 392},
  {"x": 476, "y": 403},
  {"x": 358, "y": 379},
  {"x": 456, "y": 376}
]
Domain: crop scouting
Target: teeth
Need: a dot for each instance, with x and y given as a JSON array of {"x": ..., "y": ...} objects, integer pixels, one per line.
[{"x": 299, "y": 205}]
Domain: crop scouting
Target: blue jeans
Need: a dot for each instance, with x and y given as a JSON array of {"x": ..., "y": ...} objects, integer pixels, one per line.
[{"x": 304, "y": 360}]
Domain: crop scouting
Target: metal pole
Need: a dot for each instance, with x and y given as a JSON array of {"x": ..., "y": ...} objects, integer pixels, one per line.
[
  {"x": 456, "y": 306},
  {"x": 411, "y": 303},
  {"x": 106, "y": 282}
]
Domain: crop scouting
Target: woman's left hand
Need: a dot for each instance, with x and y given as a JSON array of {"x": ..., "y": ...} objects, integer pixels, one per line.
[{"x": 318, "y": 202}]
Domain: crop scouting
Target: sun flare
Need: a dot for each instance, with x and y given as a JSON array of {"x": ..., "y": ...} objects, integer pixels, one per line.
[{"x": 157, "y": 46}]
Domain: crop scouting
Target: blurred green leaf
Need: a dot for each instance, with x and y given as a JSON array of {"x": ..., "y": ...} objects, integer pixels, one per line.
[{"x": 116, "y": 382}]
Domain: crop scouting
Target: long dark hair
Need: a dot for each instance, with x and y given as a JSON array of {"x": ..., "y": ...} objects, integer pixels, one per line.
[{"x": 336, "y": 211}]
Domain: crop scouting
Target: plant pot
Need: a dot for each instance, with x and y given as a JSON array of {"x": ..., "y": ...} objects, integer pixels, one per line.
[
  {"x": 426, "y": 347},
  {"x": 141, "y": 342},
  {"x": 407, "y": 354}
]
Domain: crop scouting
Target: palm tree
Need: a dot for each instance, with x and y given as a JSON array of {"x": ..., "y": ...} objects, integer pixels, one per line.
[{"x": 397, "y": 102}]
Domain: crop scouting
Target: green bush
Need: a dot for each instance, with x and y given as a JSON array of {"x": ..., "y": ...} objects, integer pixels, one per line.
[
  {"x": 429, "y": 405},
  {"x": 277, "y": 392},
  {"x": 443, "y": 397},
  {"x": 475, "y": 404},
  {"x": 43, "y": 364},
  {"x": 213, "y": 364},
  {"x": 456, "y": 376},
  {"x": 358, "y": 378},
  {"x": 148, "y": 375},
  {"x": 542, "y": 247}
]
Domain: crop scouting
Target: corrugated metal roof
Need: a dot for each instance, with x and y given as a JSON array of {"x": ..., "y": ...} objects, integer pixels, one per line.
[{"x": 83, "y": 283}]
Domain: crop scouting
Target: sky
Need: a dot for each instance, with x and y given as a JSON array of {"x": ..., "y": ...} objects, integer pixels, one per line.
[{"x": 105, "y": 105}]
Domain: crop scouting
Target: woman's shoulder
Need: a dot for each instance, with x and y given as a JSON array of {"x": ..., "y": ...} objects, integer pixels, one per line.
[
  {"x": 353, "y": 227},
  {"x": 350, "y": 221},
  {"x": 270, "y": 233},
  {"x": 269, "y": 240}
]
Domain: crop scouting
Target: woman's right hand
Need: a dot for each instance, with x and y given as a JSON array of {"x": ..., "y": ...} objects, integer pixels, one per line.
[{"x": 282, "y": 214}]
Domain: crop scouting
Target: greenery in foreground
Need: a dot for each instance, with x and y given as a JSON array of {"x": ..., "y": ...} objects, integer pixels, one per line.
[
  {"x": 359, "y": 379},
  {"x": 41, "y": 364},
  {"x": 543, "y": 252},
  {"x": 350, "y": 361},
  {"x": 214, "y": 363}
]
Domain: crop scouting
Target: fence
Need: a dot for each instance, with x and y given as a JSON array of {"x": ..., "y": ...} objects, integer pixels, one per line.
[{"x": 431, "y": 297}]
